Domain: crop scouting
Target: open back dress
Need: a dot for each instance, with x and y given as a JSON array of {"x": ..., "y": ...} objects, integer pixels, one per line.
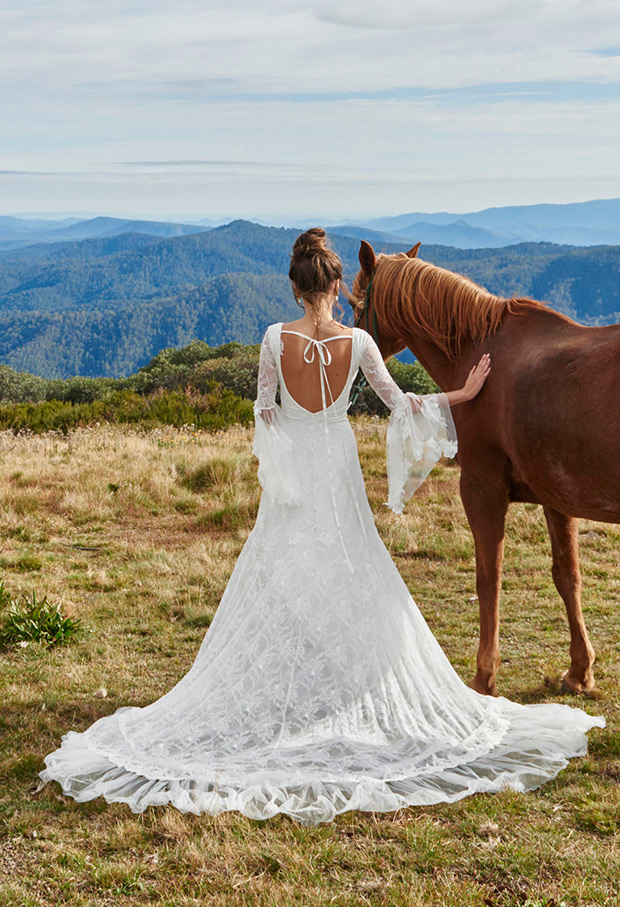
[{"x": 319, "y": 688}]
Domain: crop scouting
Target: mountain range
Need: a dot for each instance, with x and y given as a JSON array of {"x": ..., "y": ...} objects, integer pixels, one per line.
[
  {"x": 106, "y": 305},
  {"x": 580, "y": 224},
  {"x": 17, "y": 232}
]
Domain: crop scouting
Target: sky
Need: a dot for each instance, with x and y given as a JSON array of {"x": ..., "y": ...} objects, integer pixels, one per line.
[{"x": 286, "y": 110}]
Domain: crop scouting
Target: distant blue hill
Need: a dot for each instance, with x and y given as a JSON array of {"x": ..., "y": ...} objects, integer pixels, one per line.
[
  {"x": 18, "y": 232},
  {"x": 589, "y": 223},
  {"x": 581, "y": 223},
  {"x": 459, "y": 234},
  {"x": 375, "y": 237},
  {"x": 112, "y": 226},
  {"x": 14, "y": 227}
]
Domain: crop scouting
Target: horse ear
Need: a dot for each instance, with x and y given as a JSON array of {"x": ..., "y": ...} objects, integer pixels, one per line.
[
  {"x": 368, "y": 259},
  {"x": 413, "y": 253}
]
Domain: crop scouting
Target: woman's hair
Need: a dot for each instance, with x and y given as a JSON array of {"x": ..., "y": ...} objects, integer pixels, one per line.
[{"x": 314, "y": 266}]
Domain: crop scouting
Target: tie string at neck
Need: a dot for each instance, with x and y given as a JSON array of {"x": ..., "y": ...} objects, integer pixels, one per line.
[{"x": 324, "y": 354}]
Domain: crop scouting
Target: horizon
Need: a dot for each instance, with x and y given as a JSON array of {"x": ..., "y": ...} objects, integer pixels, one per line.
[{"x": 261, "y": 220}]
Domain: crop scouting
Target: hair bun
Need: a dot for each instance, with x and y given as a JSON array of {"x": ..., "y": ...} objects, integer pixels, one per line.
[
  {"x": 314, "y": 265},
  {"x": 311, "y": 242}
]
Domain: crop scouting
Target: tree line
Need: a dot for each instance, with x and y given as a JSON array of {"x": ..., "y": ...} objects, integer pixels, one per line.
[{"x": 207, "y": 387}]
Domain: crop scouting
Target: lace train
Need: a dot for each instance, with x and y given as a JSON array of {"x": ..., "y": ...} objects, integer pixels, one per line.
[
  {"x": 318, "y": 687},
  {"x": 532, "y": 751}
]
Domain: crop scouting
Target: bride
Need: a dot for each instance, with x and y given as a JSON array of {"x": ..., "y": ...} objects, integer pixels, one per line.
[{"x": 319, "y": 687}]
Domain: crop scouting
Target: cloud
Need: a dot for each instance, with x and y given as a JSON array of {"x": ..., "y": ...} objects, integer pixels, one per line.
[
  {"x": 419, "y": 13},
  {"x": 196, "y": 163},
  {"x": 239, "y": 95},
  {"x": 80, "y": 56}
]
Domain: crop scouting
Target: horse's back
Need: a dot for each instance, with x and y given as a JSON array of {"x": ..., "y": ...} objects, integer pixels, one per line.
[
  {"x": 560, "y": 416},
  {"x": 548, "y": 422}
]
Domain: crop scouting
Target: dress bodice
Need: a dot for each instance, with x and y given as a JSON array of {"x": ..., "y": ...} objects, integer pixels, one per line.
[
  {"x": 334, "y": 409},
  {"x": 420, "y": 430}
]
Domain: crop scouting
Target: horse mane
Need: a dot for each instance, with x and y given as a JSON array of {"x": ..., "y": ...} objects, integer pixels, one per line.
[{"x": 446, "y": 308}]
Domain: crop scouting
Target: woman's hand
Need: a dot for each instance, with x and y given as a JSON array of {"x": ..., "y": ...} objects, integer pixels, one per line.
[
  {"x": 476, "y": 378},
  {"x": 268, "y": 416}
]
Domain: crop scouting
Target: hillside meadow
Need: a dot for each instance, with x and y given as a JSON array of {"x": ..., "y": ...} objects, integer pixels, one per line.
[{"x": 135, "y": 532}]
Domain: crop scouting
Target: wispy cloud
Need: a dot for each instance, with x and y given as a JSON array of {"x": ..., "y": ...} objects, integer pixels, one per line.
[
  {"x": 399, "y": 14},
  {"x": 196, "y": 163},
  {"x": 237, "y": 99}
]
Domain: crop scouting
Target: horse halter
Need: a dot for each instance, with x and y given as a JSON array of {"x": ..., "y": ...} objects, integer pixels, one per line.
[{"x": 365, "y": 311}]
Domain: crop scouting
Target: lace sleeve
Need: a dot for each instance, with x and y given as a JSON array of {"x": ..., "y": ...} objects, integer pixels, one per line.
[
  {"x": 277, "y": 471},
  {"x": 421, "y": 429},
  {"x": 267, "y": 381},
  {"x": 378, "y": 377}
]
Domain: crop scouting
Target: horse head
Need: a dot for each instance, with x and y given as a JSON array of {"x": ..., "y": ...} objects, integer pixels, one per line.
[{"x": 361, "y": 300}]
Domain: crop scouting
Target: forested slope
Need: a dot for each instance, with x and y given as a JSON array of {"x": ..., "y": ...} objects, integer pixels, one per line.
[{"x": 105, "y": 306}]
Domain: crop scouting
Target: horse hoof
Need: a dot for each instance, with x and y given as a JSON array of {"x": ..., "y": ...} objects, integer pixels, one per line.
[
  {"x": 486, "y": 687},
  {"x": 571, "y": 684}
]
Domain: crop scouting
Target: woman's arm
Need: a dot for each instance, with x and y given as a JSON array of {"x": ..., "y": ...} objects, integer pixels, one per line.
[
  {"x": 385, "y": 387},
  {"x": 475, "y": 380},
  {"x": 267, "y": 384},
  {"x": 421, "y": 429},
  {"x": 277, "y": 469}
]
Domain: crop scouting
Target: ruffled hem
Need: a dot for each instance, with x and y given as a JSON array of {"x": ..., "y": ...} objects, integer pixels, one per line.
[
  {"x": 533, "y": 751},
  {"x": 416, "y": 441}
]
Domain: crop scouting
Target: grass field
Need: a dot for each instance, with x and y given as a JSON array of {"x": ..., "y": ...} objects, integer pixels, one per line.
[{"x": 137, "y": 534}]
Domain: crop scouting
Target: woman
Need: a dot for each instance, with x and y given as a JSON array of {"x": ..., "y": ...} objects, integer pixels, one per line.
[{"x": 319, "y": 687}]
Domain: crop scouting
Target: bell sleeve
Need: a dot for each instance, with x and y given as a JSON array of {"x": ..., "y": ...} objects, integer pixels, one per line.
[
  {"x": 420, "y": 431},
  {"x": 277, "y": 471}
]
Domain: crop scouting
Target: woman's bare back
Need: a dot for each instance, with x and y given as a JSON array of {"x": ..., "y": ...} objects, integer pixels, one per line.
[{"x": 302, "y": 377}]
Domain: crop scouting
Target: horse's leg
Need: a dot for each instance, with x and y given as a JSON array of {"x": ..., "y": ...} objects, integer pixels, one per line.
[
  {"x": 564, "y": 532},
  {"x": 485, "y": 505}
]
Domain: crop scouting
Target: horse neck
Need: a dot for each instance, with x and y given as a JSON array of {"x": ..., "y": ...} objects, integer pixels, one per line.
[
  {"x": 441, "y": 369},
  {"x": 441, "y": 292}
]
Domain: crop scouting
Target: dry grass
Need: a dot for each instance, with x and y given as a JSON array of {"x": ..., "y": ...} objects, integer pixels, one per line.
[{"x": 137, "y": 534}]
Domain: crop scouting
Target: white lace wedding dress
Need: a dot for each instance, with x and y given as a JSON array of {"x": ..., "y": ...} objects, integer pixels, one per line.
[{"x": 318, "y": 687}]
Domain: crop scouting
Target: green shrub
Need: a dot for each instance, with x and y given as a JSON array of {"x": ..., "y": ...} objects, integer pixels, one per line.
[
  {"x": 20, "y": 387},
  {"x": 34, "y": 620},
  {"x": 213, "y": 411},
  {"x": 238, "y": 375},
  {"x": 172, "y": 368},
  {"x": 78, "y": 389}
]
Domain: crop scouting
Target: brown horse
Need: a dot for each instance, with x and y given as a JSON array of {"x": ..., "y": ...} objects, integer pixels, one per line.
[{"x": 545, "y": 427}]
